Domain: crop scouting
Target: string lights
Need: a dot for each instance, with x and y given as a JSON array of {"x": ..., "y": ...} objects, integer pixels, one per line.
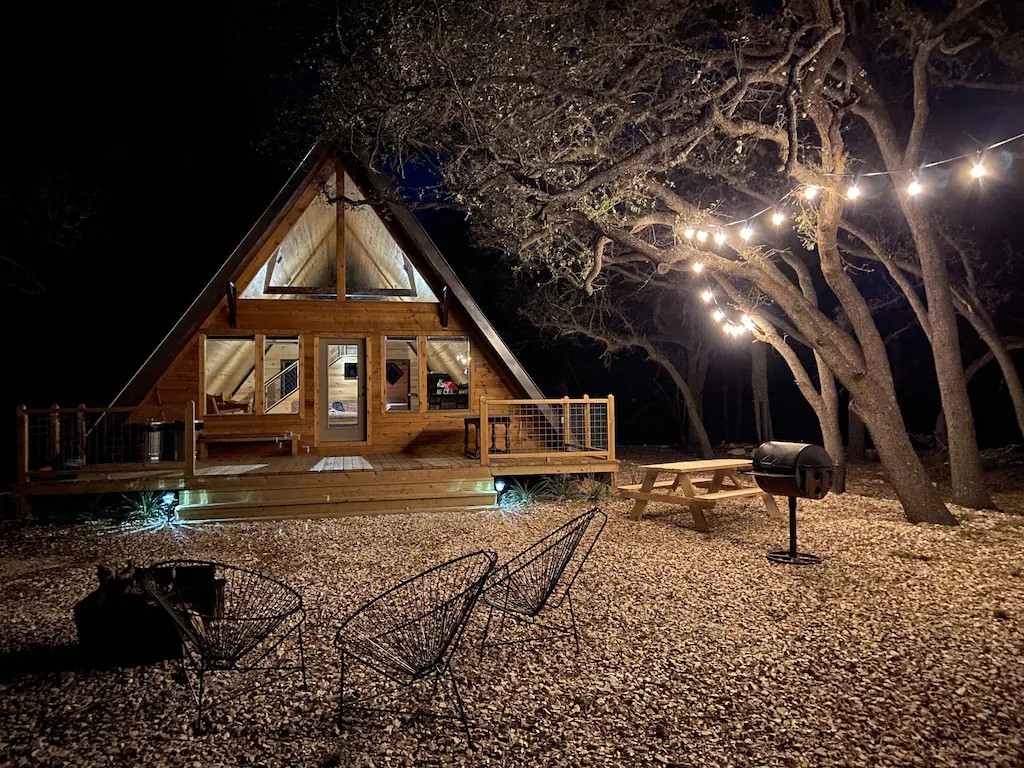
[{"x": 810, "y": 192}]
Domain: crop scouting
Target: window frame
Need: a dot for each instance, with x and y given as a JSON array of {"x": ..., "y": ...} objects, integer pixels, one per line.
[{"x": 259, "y": 342}]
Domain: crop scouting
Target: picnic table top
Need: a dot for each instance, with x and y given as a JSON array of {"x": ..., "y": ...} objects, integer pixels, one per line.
[{"x": 702, "y": 465}]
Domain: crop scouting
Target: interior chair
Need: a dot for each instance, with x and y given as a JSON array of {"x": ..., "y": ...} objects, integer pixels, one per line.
[
  {"x": 410, "y": 633},
  {"x": 540, "y": 579}
]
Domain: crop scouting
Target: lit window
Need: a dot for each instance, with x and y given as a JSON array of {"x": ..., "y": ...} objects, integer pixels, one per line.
[{"x": 448, "y": 361}]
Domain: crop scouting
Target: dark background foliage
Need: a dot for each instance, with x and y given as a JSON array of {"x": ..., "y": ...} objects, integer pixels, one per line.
[{"x": 140, "y": 149}]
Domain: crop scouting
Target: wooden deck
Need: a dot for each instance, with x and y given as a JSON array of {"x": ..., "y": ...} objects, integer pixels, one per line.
[{"x": 309, "y": 485}]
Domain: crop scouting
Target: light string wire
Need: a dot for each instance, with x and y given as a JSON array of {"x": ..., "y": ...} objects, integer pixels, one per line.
[{"x": 810, "y": 192}]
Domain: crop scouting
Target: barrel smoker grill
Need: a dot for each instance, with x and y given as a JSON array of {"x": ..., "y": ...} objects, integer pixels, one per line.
[{"x": 795, "y": 470}]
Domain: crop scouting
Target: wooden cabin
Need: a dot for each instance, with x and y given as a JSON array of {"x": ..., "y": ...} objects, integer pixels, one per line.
[{"x": 334, "y": 364}]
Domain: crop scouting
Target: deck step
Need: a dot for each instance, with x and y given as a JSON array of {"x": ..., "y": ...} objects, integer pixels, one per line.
[
  {"x": 318, "y": 507},
  {"x": 375, "y": 488}
]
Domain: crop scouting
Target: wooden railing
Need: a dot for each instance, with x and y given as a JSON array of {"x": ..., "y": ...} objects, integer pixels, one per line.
[
  {"x": 544, "y": 429},
  {"x": 55, "y": 439}
]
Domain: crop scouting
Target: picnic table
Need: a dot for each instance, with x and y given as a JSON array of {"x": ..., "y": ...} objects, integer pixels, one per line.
[{"x": 681, "y": 487}]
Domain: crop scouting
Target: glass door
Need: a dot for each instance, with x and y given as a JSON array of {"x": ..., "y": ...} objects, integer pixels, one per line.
[{"x": 342, "y": 389}]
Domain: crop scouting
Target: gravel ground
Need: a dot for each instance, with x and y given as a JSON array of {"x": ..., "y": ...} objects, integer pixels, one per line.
[{"x": 903, "y": 648}]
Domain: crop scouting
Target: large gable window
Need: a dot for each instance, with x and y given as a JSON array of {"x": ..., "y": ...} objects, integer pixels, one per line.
[
  {"x": 305, "y": 264},
  {"x": 376, "y": 267}
]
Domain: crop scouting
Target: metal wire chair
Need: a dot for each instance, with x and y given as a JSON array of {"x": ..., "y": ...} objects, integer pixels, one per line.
[
  {"x": 411, "y": 632},
  {"x": 541, "y": 578},
  {"x": 229, "y": 618}
]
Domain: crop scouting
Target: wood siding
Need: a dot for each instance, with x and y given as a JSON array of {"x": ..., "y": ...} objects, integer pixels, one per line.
[{"x": 386, "y": 431}]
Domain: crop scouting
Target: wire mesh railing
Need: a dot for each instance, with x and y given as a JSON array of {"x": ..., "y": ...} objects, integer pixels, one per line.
[
  {"x": 538, "y": 429},
  {"x": 69, "y": 439}
]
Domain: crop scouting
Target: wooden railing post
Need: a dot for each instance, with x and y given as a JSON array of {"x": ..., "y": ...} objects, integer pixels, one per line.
[
  {"x": 22, "y": 450},
  {"x": 611, "y": 427},
  {"x": 587, "y": 445},
  {"x": 483, "y": 434},
  {"x": 80, "y": 433},
  {"x": 54, "y": 434},
  {"x": 566, "y": 428},
  {"x": 190, "y": 439},
  {"x": 258, "y": 400}
]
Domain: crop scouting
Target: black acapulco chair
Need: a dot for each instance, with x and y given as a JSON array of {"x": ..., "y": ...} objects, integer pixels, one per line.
[
  {"x": 541, "y": 578},
  {"x": 229, "y": 618},
  {"x": 411, "y": 632}
]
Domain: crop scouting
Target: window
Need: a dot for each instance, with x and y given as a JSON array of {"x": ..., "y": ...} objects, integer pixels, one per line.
[
  {"x": 230, "y": 375},
  {"x": 305, "y": 264},
  {"x": 281, "y": 393},
  {"x": 448, "y": 373},
  {"x": 231, "y": 382},
  {"x": 376, "y": 267},
  {"x": 401, "y": 374}
]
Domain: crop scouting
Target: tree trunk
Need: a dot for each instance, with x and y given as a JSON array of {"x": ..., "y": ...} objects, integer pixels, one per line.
[
  {"x": 828, "y": 417},
  {"x": 856, "y": 438},
  {"x": 869, "y": 380},
  {"x": 684, "y": 389},
  {"x": 759, "y": 386},
  {"x": 920, "y": 499},
  {"x": 697, "y": 373},
  {"x": 966, "y": 473},
  {"x": 1001, "y": 351}
]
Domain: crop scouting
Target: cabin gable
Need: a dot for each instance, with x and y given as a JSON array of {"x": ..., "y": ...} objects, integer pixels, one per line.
[{"x": 339, "y": 326}]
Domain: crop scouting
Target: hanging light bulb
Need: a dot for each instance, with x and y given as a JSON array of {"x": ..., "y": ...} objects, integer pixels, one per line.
[
  {"x": 727, "y": 330},
  {"x": 810, "y": 192},
  {"x": 748, "y": 323},
  {"x": 719, "y": 315},
  {"x": 914, "y": 188},
  {"x": 702, "y": 235},
  {"x": 707, "y": 296},
  {"x": 719, "y": 237},
  {"x": 853, "y": 192},
  {"x": 698, "y": 267},
  {"x": 778, "y": 218},
  {"x": 978, "y": 169},
  {"x": 688, "y": 232},
  {"x": 746, "y": 233}
]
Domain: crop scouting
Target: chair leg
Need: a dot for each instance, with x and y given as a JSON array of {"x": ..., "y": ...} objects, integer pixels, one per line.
[
  {"x": 487, "y": 628},
  {"x": 572, "y": 617},
  {"x": 302, "y": 658},
  {"x": 199, "y": 698},
  {"x": 460, "y": 706},
  {"x": 341, "y": 697}
]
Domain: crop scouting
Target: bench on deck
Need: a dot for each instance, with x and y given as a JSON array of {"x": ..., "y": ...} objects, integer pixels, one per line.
[{"x": 204, "y": 439}]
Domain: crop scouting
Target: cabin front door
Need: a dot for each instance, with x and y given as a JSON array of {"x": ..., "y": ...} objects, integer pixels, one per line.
[{"x": 342, "y": 390}]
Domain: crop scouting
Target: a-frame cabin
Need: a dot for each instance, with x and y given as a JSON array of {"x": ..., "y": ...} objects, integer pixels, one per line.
[{"x": 334, "y": 364}]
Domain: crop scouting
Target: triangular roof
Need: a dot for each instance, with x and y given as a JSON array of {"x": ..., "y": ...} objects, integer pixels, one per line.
[{"x": 303, "y": 176}]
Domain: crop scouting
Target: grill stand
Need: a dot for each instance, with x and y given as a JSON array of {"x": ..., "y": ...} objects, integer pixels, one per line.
[{"x": 792, "y": 557}]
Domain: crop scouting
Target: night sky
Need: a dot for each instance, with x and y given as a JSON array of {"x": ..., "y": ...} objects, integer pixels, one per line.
[{"x": 165, "y": 132}]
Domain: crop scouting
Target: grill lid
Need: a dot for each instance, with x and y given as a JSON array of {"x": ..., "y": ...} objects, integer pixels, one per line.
[{"x": 778, "y": 458}]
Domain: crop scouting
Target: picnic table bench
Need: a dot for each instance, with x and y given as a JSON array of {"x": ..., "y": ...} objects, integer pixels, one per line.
[{"x": 681, "y": 488}]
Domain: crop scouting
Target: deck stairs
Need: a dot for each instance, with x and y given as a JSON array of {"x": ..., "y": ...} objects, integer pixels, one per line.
[{"x": 309, "y": 495}]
